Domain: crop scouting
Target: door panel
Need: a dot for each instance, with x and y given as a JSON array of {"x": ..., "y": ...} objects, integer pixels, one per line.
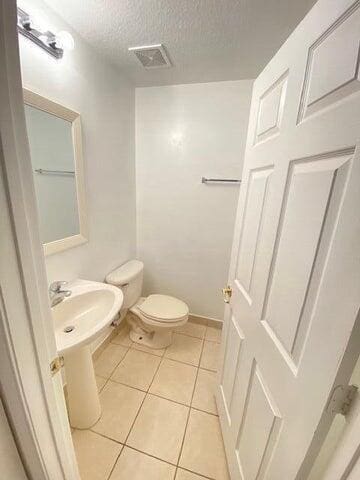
[
  {"x": 231, "y": 363},
  {"x": 255, "y": 205},
  {"x": 271, "y": 107},
  {"x": 294, "y": 268},
  {"x": 260, "y": 427},
  {"x": 328, "y": 81},
  {"x": 307, "y": 196}
]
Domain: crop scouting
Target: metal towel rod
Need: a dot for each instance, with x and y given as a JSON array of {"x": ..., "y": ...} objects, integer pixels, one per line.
[
  {"x": 54, "y": 172},
  {"x": 220, "y": 180}
]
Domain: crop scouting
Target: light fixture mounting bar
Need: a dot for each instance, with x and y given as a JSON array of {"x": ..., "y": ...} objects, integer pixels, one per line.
[{"x": 45, "y": 40}]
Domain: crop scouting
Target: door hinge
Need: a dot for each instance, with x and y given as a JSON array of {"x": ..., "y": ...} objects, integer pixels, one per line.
[
  {"x": 227, "y": 292},
  {"x": 341, "y": 399},
  {"x": 56, "y": 365}
]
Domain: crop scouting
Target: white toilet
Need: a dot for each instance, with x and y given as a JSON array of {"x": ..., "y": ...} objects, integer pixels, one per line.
[{"x": 153, "y": 318}]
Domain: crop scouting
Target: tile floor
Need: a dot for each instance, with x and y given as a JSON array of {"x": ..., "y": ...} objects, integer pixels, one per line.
[{"x": 159, "y": 419}]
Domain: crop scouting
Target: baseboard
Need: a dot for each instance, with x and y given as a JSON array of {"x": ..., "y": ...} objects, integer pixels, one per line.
[{"x": 208, "y": 321}]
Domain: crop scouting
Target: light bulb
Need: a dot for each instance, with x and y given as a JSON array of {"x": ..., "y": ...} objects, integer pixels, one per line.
[{"x": 64, "y": 40}]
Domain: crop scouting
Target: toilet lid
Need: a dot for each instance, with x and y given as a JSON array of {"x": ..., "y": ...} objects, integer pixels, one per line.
[{"x": 164, "y": 308}]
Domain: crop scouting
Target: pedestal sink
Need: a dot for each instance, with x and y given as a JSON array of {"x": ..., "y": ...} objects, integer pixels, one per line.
[{"x": 79, "y": 320}]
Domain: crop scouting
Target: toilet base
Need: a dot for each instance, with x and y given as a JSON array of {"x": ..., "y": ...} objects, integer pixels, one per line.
[{"x": 156, "y": 340}]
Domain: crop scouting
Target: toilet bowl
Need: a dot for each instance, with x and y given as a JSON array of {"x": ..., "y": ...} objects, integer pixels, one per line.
[{"x": 152, "y": 319}]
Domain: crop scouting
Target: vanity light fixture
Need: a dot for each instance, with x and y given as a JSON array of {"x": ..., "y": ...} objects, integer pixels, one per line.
[{"x": 52, "y": 43}]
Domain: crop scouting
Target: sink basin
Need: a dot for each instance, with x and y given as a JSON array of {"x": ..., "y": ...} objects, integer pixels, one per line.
[{"x": 80, "y": 318}]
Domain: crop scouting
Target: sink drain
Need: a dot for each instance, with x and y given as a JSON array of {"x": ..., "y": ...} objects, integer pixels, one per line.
[{"x": 69, "y": 329}]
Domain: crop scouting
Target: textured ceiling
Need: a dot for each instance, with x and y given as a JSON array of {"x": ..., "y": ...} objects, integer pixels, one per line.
[{"x": 207, "y": 40}]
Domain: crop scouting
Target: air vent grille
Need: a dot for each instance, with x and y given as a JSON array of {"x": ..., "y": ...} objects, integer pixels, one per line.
[{"x": 152, "y": 56}]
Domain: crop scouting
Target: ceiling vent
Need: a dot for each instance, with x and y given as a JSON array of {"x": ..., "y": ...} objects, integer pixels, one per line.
[{"x": 152, "y": 56}]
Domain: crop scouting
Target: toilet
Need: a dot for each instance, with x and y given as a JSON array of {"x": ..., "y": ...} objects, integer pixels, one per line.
[{"x": 152, "y": 319}]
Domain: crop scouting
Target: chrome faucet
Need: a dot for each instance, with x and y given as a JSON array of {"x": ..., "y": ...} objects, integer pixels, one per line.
[{"x": 56, "y": 293}]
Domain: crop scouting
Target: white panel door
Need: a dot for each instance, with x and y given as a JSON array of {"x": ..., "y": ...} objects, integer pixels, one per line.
[{"x": 295, "y": 268}]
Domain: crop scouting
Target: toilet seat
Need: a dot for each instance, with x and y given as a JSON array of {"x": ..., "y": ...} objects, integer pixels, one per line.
[{"x": 163, "y": 309}]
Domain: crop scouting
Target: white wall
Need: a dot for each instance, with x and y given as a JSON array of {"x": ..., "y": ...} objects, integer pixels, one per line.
[
  {"x": 185, "y": 228},
  {"x": 83, "y": 82}
]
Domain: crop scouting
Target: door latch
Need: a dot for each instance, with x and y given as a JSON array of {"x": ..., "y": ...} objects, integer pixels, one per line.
[
  {"x": 56, "y": 365},
  {"x": 227, "y": 292}
]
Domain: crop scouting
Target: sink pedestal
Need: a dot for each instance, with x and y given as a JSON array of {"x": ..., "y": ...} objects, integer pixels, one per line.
[{"x": 83, "y": 398}]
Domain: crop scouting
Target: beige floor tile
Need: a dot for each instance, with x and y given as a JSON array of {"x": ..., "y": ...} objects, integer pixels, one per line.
[
  {"x": 184, "y": 475},
  {"x": 209, "y": 357},
  {"x": 174, "y": 381},
  {"x": 120, "y": 405},
  {"x": 133, "y": 465},
  {"x": 185, "y": 349},
  {"x": 159, "y": 428},
  {"x": 204, "y": 395},
  {"x": 203, "y": 450},
  {"x": 122, "y": 338},
  {"x": 100, "y": 381},
  {"x": 96, "y": 455},
  {"x": 159, "y": 352},
  {"x": 213, "y": 334},
  {"x": 192, "y": 329},
  {"x": 109, "y": 359},
  {"x": 137, "y": 369}
]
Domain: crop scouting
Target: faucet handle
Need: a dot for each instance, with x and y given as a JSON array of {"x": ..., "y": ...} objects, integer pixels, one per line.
[{"x": 55, "y": 287}]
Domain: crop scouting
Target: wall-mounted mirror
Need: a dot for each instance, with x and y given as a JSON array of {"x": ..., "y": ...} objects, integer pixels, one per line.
[{"x": 54, "y": 134}]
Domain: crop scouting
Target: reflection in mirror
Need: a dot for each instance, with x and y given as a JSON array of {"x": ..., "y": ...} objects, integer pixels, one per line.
[
  {"x": 54, "y": 134},
  {"x": 52, "y": 158}
]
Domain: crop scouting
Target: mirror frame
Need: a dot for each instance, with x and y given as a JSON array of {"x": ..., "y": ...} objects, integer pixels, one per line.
[{"x": 41, "y": 103}]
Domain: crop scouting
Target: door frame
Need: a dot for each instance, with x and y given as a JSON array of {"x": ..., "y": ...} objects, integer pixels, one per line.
[
  {"x": 346, "y": 460},
  {"x": 33, "y": 398}
]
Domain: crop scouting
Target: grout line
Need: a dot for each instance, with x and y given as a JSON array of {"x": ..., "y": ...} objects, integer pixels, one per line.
[
  {"x": 191, "y": 364},
  {"x": 105, "y": 436},
  {"x": 152, "y": 456},
  {"x": 143, "y": 351},
  {"x": 170, "y": 358},
  {"x": 212, "y": 341},
  {"x": 147, "y": 393},
  {"x": 121, "y": 344},
  {"x": 204, "y": 411},
  {"x": 195, "y": 473},
  {"x": 192, "y": 396},
  {"x": 142, "y": 403},
  {"x": 113, "y": 370},
  {"x": 113, "y": 467},
  {"x": 123, "y": 445},
  {"x": 192, "y": 336},
  {"x": 184, "y": 363}
]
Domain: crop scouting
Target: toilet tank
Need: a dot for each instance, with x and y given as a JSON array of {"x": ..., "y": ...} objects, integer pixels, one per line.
[{"x": 128, "y": 277}]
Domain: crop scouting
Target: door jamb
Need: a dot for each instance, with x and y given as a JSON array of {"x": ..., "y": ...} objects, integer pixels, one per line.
[{"x": 32, "y": 398}]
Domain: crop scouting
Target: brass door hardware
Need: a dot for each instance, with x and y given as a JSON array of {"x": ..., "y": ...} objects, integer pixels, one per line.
[
  {"x": 227, "y": 292},
  {"x": 56, "y": 365}
]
